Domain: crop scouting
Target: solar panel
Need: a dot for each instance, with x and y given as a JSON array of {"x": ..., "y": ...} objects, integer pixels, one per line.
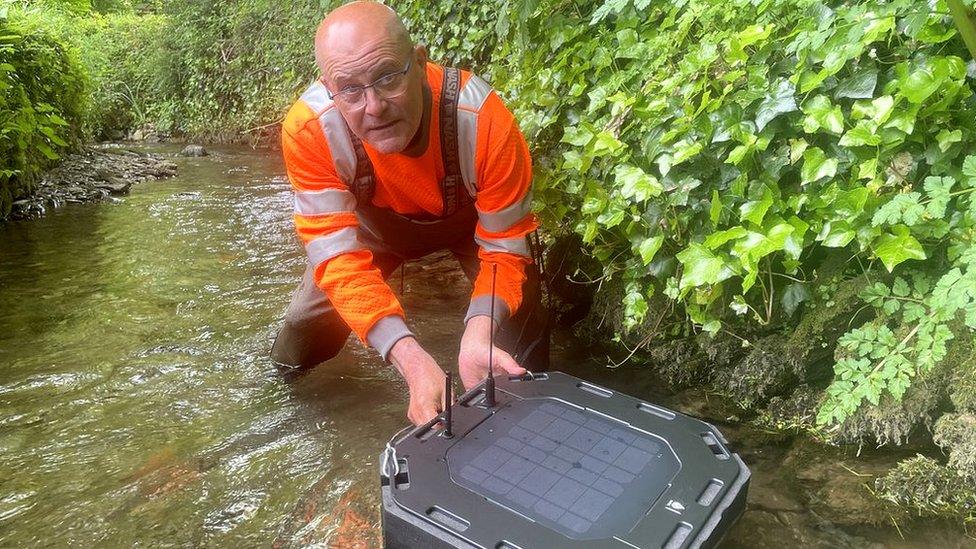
[{"x": 573, "y": 471}]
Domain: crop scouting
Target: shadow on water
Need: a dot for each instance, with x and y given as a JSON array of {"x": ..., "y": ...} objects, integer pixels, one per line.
[{"x": 138, "y": 405}]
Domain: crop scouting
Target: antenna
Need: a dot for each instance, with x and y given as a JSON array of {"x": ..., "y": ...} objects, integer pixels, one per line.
[
  {"x": 490, "y": 382},
  {"x": 447, "y": 405}
]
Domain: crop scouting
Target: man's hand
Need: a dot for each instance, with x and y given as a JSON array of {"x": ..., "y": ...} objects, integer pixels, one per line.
[
  {"x": 424, "y": 378},
  {"x": 473, "y": 357}
]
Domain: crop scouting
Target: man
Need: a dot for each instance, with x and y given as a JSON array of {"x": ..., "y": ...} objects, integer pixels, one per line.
[{"x": 391, "y": 158}]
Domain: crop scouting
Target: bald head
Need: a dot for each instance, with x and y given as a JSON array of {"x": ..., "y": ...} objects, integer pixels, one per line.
[{"x": 357, "y": 25}]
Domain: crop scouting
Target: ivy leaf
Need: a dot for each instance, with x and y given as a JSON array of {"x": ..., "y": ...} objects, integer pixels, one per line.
[
  {"x": 924, "y": 79},
  {"x": 793, "y": 295},
  {"x": 897, "y": 247},
  {"x": 860, "y": 135},
  {"x": 859, "y": 85},
  {"x": 684, "y": 150},
  {"x": 937, "y": 189},
  {"x": 718, "y": 238},
  {"x": 702, "y": 267},
  {"x": 946, "y": 138},
  {"x": 649, "y": 247},
  {"x": 755, "y": 210},
  {"x": 635, "y": 183},
  {"x": 816, "y": 166},
  {"x": 578, "y": 136},
  {"x": 715, "y": 209},
  {"x": 780, "y": 101},
  {"x": 877, "y": 110},
  {"x": 821, "y": 113}
]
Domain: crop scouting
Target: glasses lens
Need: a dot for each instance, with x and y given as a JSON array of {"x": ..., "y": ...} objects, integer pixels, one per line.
[
  {"x": 351, "y": 97},
  {"x": 392, "y": 85}
]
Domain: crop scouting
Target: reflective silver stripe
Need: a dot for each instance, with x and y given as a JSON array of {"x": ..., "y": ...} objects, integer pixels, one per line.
[
  {"x": 316, "y": 97},
  {"x": 326, "y": 247},
  {"x": 467, "y": 149},
  {"x": 517, "y": 246},
  {"x": 328, "y": 201},
  {"x": 473, "y": 95},
  {"x": 335, "y": 130},
  {"x": 481, "y": 306},
  {"x": 503, "y": 219},
  {"x": 470, "y": 101},
  {"x": 386, "y": 332},
  {"x": 340, "y": 144}
]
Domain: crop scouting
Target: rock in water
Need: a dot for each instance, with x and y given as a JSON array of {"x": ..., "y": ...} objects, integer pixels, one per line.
[{"x": 194, "y": 150}]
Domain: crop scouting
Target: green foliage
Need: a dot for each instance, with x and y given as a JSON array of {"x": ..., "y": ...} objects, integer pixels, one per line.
[
  {"x": 41, "y": 101},
  {"x": 713, "y": 151}
]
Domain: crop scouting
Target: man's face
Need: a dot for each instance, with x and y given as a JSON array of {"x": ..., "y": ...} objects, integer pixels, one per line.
[{"x": 387, "y": 121}]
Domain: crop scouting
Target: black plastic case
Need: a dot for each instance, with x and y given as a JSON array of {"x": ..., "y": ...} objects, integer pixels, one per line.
[{"x": 560, "y": 462}]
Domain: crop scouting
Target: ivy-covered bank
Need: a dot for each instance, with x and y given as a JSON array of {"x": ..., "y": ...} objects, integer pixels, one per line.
[
  {"x": 41, "y": 103},
  {"x": 775, "y": 197}
]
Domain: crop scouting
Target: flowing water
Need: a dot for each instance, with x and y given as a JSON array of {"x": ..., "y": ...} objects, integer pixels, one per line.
[{"x": 138, "y": 405}]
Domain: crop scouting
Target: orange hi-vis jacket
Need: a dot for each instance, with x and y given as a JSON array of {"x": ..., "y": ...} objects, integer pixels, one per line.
[{"x": 496, "y": 169}]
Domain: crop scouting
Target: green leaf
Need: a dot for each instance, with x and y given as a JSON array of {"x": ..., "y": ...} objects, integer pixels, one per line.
[
  {"x": 860, "y": 135},
  {"x": 903, "y": 208},
  {"x": 937, "y": 189},
  {"x": 816, "y": 166},
  {"x": 715, "y": 209},
  {"x": 859, "y": 85},
  {"x": 821, "y": 113},
  {"x": 923, "y": 79},
  {"x": 718, "y": 238},
  {"x": 897, "y": 247},
  {"x": 877, "y": 110},
  {"x": 578, "y": 136},
  {"x": 47, "y": 151},
  {"x": 636, "y": 184},
  {"x": 836, "y": 235},
  {"x": 755, "y": 210},
  {"x": 701, "y": 267},
  {"x": 793, "y": 295},
  {"x": 684, "y": 150},
  {"x": 779, "y": 101},
  {"x": 946, "y": 138},
  {"x": 969, "y": 171},
  {"x": 649, "y": 247}
]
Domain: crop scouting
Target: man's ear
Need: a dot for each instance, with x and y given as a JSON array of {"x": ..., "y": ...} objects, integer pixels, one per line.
[{"x": 420, "y": 51}]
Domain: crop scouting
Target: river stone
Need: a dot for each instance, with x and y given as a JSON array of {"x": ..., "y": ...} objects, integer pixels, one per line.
[
  {"x": 117, "y": 186},
  {"x": 194, "y": 150}
]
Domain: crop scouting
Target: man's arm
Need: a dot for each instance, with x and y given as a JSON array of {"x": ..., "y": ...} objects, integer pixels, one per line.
[
  {"x": 505, "y": 218},
  {"x": 326, "y": 223}
]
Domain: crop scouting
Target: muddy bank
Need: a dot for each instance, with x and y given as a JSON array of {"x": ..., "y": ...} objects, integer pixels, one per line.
[{"x": 97, "y": 173}]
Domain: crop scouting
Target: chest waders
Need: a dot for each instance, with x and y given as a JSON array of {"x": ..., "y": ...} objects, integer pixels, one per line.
[{"x": 313, "y": 332}]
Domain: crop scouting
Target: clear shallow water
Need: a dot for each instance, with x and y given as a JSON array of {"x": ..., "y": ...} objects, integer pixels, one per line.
[{"x": 138, "y": 405}]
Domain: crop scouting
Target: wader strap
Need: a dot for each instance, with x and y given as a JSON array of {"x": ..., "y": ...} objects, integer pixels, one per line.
[
  {"x": 364, "y": 184},
  {"x": 452, "y": 185}
]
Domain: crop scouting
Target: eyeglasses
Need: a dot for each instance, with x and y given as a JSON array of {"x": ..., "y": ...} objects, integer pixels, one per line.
[{"x": 386, "y": 87}]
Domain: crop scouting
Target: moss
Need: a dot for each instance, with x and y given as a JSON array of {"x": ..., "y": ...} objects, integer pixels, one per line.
[
  {"x": 892, "y": 421},
  {"x": 962, "y": 386},
  {"x": 795, "y": 411},
  {"x": 956, "y": 434},
  {"x": 811, "y": 344},
  {"x": 766, "y": 371},
  {"x": 931, "y": 489}
]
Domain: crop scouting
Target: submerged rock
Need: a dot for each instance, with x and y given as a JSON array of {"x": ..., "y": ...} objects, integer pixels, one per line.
[{"x": 194, "y": 150}]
